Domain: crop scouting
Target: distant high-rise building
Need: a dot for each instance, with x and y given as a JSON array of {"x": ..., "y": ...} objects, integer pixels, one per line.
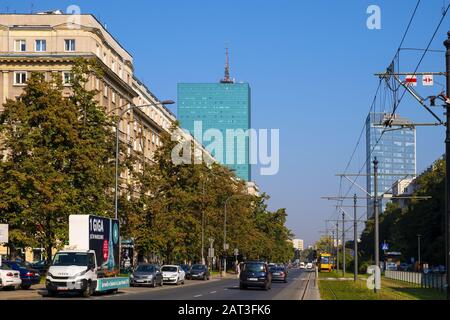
[
  {"x": 395, "y": 152},
  {"x": 298, "y": 244},
  {"x": 222, "y": 106}
]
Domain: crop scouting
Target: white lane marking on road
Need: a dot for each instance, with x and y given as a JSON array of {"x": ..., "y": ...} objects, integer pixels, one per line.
[
  {"x": 199, "y": 295},
  {"x": 225, "y": 289},
  {"x": 213, "y": 291},
  {"x": 235, "y": 286}
]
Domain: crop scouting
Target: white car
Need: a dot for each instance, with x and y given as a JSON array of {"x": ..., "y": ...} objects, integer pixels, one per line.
[
  {"x": 302, "y": 265},
  {"x": 309, "y": 265},
  {"x": 173, "y": 274},
  {"x": 9, "y": 278}
]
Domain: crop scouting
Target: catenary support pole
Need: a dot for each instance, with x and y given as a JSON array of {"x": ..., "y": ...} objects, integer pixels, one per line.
[
  {"x": 375, "y": 209},
  {"x": 447, "y": 165},
  {"x": 355, "y": 239}
]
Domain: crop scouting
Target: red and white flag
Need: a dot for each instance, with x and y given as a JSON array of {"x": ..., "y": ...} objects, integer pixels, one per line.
[
  {"x": 427, "y": 80},
  {"x": 411, "y": 80}
]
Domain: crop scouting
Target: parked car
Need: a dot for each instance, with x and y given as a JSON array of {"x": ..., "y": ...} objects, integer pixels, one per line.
[
  {"x": 9, "y": 278},
  {"x": 173, "y": 274},
  {"x": 186, "y": 269},
  {"x": 199, "y": 271},
  {"x": 391, "y": 266},
  {"x": 255, "y": 274},
  {"x": 279, "y": 273},
  {"x": 302, "y": 265},
  {"x": 41, "y": 266},
  {"x": 146, "y": 274},
  {"x": 28, "y": 276},
  {"x": 309, "y": 265},
  {"x": 405, "y": 267}
]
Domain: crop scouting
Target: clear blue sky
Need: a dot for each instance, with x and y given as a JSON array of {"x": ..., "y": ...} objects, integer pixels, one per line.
[{"x": 310, "y": 65}]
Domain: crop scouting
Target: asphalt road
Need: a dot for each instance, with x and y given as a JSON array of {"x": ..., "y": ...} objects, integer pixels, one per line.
[
  {"x": 222, "y": 289},
  {"x": 301, "y": 285}
]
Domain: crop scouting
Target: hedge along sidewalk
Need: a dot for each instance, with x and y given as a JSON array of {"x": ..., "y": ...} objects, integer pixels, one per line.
[{"x": 390, "y": 290}]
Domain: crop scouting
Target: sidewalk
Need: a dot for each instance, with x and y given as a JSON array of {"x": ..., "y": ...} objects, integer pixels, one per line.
[{"x": 32, "y": 293}]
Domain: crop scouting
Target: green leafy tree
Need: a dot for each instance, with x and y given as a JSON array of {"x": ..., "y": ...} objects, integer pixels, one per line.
[{"x": 57, "y": 158}]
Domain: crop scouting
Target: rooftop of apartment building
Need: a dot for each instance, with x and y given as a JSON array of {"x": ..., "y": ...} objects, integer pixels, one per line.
[{"x": 51, "y": 19}]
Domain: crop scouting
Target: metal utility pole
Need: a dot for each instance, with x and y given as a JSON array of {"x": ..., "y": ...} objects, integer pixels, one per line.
[
  {"x": 418, "y": 250},
  {"x": 355, "y": 239},
  {"x": 447, "y": 163},
  {"x": 337, "y": 246},
  {"x": 343, "y": 244},
  {"x": 203, "y": 224},
  {"x": 375, "y": 208}
]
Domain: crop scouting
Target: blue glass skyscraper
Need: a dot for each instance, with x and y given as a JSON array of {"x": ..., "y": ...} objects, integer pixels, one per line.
[
  {"x": 222, "y": 106},
  {"x": 395, "y": 152}
]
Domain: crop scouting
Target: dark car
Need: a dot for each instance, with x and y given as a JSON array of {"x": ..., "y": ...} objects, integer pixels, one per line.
[
  {"x": 255, "y": 274},
  {"x": 41, "y": 266},
  {"x": 279, "y": 273},
  {"x": 199, "y": 271},
  {"x": 146, "y": 274},
  {"x": 186, "y": 269},
  {"x": 28, "y": 275}
]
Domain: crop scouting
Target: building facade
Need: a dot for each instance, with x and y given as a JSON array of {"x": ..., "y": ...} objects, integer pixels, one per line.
[
  {"x": 225, "y": 107},
  {"x": 395, "y": 152},
  {"x": 50, "y": 43},
  {"x": 298, "y": 244}
]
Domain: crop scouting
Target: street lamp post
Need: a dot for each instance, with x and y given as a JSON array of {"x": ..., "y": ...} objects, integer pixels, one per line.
[
  {"x": 225, "y": 245},
  {"x": 418, "y": 251},
  {"x": 116, "y": 172}
]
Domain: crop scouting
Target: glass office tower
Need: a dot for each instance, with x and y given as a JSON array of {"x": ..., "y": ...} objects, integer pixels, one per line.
[
  {"x": 395, "y": 152},
  {"x": 222, "y": 106}
]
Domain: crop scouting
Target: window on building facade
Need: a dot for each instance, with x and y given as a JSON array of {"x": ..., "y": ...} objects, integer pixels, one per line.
[
  {"x": 105, "y": 91},
  {"x": 67, "y": 78},
  {"x": 113, "y": 65},
  {"x": 113, "y": 96},
  {"x": 69, "y": 44},
  {"x": 41, "y": 45},
  {"x": 97, "y": 50},
  {"x": 20, "y": 77},
  {"x": 20, "y": 45}
]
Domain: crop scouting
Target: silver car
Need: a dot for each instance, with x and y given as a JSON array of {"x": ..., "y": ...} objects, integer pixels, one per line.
[{"x": 146, "y": 275}]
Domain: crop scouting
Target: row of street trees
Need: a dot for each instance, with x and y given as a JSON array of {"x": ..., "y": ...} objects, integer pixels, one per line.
[
  {"x": 399, "y": 227},
  {"x": 58, "y": 159}
]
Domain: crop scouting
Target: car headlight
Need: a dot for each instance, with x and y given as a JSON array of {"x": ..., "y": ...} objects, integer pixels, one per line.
[{"x": 131, "y": 276}]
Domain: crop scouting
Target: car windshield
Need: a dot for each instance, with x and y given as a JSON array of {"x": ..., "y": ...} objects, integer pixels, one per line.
[
  {"x": 198, "y": 267},
  {"x": 254, "y": 267},
  {"x": 70, "y": 259},
  {"x": 278, "y": 269},
  {"x": 5, "y": 267},
  {"x": 169, "y": 269},
  {"x": 145, "y": 268}
]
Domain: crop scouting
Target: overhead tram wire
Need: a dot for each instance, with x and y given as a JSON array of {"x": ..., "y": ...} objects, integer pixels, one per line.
[
  {"x": 372, "y": 105},
  {"x": 444, "y": 14},
  {"x": 398, "y": 103}
]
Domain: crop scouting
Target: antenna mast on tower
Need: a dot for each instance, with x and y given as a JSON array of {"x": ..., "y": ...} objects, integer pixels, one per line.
[{"x": 227, "y": 78}]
